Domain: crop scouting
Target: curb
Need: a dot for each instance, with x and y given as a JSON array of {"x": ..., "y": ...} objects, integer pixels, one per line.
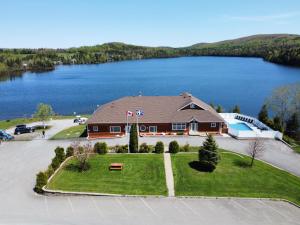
[{"x": 241, "y": 198}]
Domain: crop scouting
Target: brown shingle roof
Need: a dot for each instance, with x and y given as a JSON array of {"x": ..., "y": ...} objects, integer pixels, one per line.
[{"x": 157, "y": 109}]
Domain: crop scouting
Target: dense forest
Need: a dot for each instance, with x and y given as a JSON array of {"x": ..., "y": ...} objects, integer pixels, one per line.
[{"x": 277, "y": 48}]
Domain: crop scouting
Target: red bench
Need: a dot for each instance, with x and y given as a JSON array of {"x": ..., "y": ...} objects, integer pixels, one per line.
[{"x": 116, "y": 166}]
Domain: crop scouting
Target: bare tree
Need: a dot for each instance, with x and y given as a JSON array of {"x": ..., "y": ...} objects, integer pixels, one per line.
[
  {"x": 255, "y": 149},
  {"x": 82, "y": 154}
]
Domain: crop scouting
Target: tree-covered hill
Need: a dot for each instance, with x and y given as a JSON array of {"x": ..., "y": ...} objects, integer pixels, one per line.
[{"x": 277, "y": 48}]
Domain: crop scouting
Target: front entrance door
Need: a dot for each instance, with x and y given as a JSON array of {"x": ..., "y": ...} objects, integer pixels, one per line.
[{"x": 193, "y": 126}]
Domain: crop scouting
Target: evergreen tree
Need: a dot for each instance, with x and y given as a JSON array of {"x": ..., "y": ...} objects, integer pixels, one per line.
[
  {"x": 219, "y": 109},
  {"x": 263, "y": 115},
  {"x": 41, "y": 181},
  {"x": 159, "y": 147},
  {"x": 208, "y": 154},
  {"x": 236, "y": 109},
  {"x": 60, "y": 154},
  {"x": 133, "y": 139},
  {"x": 292, "y": 126}
]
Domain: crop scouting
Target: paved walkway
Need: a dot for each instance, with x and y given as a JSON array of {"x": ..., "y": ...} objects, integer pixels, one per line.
[{"x": 169, "y": 174}]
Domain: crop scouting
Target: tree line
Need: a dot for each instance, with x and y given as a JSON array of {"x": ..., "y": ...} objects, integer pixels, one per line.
[{"x": 282, "y": 49}]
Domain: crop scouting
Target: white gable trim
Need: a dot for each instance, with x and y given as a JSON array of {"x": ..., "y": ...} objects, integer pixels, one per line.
[{"x": 190, "y": 104}]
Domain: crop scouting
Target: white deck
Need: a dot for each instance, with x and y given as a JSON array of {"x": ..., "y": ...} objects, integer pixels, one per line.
[{"x": 258, "y": 129}]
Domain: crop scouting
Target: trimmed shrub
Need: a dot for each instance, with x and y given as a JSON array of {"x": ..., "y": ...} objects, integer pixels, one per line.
[
  {"x": 133, "y": 139},
  {"x": 41, "y": 181},
  {"x": 185, "y": 148},
  {"x": 100, "y": 148},
  {"x": 49, "y": 171},
  {"x": 159, "y": 147},
  {"x": 55, "y": 163},
  {"x": 144, "y": 148},
  {"x": 60, "y": 154},
  {"x": 70, "y": 151},
  {"x": 121, "y": 148},
  {"x": 174, "y": 147}
]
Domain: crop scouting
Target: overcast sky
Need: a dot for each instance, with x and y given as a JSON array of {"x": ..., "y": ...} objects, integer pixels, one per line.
[{"x": 68, "y": 23}]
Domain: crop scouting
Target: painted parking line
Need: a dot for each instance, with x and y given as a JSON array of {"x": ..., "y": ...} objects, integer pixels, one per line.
[
  {"x": 71, "y": 204},
  {"x": 46, "y": 205},
  {"x": 97, "y": 207},
  {"x": 122, "y": 206},
  {"x": 189, "y": 207},
  {"x": 238, "y": 205},
  {"x": 148, "y": 206}
]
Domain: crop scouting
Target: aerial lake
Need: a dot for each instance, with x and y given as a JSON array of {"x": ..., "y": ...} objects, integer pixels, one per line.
[{"x": 227, "y": 81}]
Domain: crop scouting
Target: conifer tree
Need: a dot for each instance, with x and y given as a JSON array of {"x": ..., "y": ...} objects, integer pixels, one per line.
[
  {"x": 133, "y": 139},
  {"x": 208, "y": 154}
]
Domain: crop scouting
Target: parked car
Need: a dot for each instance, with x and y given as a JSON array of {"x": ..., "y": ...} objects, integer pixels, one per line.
[
  {"x": 21, "y": 129},
  {"x": 80, "y": 120},
  {"x": 5, "y": 136}
]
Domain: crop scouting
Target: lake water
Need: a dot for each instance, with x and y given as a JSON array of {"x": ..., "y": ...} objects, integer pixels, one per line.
[{"x": 80, "y": 88}]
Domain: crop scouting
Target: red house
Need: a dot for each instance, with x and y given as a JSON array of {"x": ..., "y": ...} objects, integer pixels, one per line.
[{"x": 160, "y": 115}]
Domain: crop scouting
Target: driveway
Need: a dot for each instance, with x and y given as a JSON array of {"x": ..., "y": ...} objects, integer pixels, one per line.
[
  {"x": 276, "y": 152},
  {"x": 20, "y": 161}
]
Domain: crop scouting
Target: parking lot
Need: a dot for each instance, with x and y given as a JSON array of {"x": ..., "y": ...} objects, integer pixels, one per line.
[{"x": 20, "y": 161}]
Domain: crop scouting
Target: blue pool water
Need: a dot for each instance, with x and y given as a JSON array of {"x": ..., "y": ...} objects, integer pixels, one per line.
[{"x": 240, "y": 126}]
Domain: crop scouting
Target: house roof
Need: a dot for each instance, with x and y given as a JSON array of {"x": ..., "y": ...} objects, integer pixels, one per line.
[{"x": 157, "y": 109}]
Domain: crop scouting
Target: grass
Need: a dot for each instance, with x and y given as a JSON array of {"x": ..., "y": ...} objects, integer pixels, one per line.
[
  {"x": 233, "y": 177},
  {"x": 143, "y": 174},
  {"x": 5, "y": 124},
  {"x": 71, "y": 132},
  {"x": 297, "y": 149}
]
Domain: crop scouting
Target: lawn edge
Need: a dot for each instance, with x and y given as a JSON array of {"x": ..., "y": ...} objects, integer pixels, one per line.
[{"x": 242, "y": 198}]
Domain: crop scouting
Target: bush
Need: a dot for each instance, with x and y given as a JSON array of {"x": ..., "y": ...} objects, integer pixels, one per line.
[
  {"x": 49, "y": 171},
  {"x": 185, "y": 148},
  {"x": 55, "y": 163},
  {"x": 121, "y": 148},
  {"x": 180, "y": 133},
  {"x": 173, "y": 147},
  {"x": 70, "y": 151},
  {"x": 60, "y": 154},
  {"x": 144, "y": 148},
  {"x": 159, "y": 147},
  {"x": 100, "y": 148},
  {"x": 41, "y": 181}
]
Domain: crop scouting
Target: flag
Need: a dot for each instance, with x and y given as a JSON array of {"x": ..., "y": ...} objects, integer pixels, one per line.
[
  {"x": 129, "y": 113},
  {"x": 139, "y": 112}
]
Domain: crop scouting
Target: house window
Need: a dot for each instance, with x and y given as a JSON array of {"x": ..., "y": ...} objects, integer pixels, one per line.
[
  {"x": 213, "y": 125},
  {"x": 178, "y": 126},
  {"x": 152, "y": 129},
  {"x": 193, "y": 106},
  {"x": 95, "y": 128},
  {"x": 115, "y": 129},
  {"x": 143, "y": 128}
]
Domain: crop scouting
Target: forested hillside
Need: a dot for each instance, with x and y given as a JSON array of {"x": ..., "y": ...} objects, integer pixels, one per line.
[{"x": 280, "y": 48}]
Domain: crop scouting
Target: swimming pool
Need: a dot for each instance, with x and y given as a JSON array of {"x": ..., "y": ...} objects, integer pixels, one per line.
[{"x": 240, "y": 126}]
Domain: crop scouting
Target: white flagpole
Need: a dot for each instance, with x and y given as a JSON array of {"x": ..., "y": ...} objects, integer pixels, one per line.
[
  {"x": 126, "y": 123},
  {"x": 137, "y": 124}
]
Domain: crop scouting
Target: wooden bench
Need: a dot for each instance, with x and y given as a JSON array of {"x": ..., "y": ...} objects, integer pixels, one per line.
[{"x": 116, "y": 166}]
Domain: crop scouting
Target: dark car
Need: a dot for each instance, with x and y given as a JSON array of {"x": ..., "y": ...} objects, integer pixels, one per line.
[
  {"x": 5, "y": 136},
  {"x": 21, "y": 129}
]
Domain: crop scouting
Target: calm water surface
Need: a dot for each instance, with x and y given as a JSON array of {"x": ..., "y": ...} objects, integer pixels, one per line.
[{"x": 80, "y": 88}]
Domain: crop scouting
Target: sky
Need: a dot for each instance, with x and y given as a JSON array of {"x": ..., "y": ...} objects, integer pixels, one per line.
[{"x": 73, "y": 23}]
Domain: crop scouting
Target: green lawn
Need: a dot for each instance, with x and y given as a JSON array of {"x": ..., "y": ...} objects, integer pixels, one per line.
[
  {"x": 5, "y": 124},
  {"x": 71, "y": 132},
  {"x": 143, "y": 174},
  {"x": 297, "y": 148},
  {"x": 233, "y": 177}
]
